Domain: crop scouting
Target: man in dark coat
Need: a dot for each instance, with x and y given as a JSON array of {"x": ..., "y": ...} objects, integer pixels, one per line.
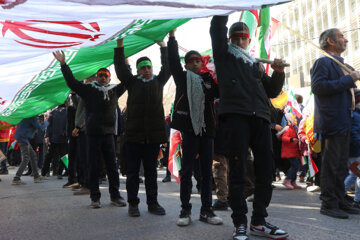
[
  {"x": 245, "y": 90},
  {"x": 332, "y": 90},
  {"x": 145, "y": 125}
]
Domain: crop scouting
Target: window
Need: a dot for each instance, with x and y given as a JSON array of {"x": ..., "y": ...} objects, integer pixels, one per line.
[
  {"x": 355, "y": 41},
  {"x": 353, "y": 5}
]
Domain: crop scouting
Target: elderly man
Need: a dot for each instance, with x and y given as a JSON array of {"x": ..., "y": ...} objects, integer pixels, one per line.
[{"x": 333, "y": 109}]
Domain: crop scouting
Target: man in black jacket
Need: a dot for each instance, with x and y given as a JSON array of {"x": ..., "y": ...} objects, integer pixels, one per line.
[
  {"x": 145, "y": 125},
  {"x": 245, "y": 90},
  {"x": 194, "y": 116},
  {"x": 100, "y": 104}
]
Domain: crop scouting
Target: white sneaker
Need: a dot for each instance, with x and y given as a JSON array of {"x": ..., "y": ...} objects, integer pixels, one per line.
[
  {"x": 313, "y": 189},
  {"x": 269, "y": 231},
  {"x": 184, "y": 218}
]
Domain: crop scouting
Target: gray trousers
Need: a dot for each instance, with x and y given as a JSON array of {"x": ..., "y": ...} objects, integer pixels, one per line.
[
  {"x": 335, "y": 154},
  {"x": 27, "y": 154}
]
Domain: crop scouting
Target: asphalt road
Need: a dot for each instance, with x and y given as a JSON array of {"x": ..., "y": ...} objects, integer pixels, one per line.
[{"x": 47, "y": 211}]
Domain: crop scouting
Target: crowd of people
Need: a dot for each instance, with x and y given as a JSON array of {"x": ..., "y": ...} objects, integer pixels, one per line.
[{"x": 233, "y": 139}]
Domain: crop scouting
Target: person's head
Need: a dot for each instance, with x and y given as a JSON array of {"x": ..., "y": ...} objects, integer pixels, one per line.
[
  {"x": 103, "y": 76},
  {"x": 239, "y": 34},
  {"x": 144, "y": 67},
  {"x": 299, "y": 98},
  {"x": 333, "y": 40},
  {"x": 193, "y": 61}
]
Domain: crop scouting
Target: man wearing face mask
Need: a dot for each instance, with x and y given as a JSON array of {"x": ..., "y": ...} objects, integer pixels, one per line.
[
  {"x": 145, "y": 127},
  {"x": 100, "y": 105},
  {"x": 245, "y": 90}
]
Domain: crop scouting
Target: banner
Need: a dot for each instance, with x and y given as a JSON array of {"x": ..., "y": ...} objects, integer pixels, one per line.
[{"x": 31, "y": 29}]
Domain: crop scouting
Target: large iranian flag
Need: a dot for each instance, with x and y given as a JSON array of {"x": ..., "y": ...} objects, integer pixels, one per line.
[{"x": 31, "y": 81}]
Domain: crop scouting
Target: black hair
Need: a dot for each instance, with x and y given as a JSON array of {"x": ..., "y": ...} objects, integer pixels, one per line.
[
  {"x": 299, "y": 98},
  {"x": 189, "y": 53},
  {"x": 142, "y": 59},
  {"x": 238, "y": 26}
]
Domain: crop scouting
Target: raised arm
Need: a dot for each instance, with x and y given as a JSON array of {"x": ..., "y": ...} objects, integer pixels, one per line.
[
  {"x": 120, "y": 89},
  {"x": 174, "y": 58},
  {"x": 72, "y": 83},
  {"x": 218, "y": 33},
  {"x": 164, "y": 73},
  {"x": 121, "y": 68},
  {"x": 274, "y": 84}
]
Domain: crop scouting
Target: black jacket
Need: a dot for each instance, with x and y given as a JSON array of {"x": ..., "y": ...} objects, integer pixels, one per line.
[
  {"x": 56, "y": 130},
  {"x": 181, "y": 115},
  {"x": 100, "y": 113},
  {"x": 145, "y": 121},
  {"x": 243, "y": 89}
]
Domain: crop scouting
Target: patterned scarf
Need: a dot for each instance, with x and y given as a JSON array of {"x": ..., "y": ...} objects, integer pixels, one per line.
[
  {"x": 104, "y": 89},
  {"x": 146, "y": 80},
  {"x": 196, "y": 98},
  {"x": 240, "y": 53}
]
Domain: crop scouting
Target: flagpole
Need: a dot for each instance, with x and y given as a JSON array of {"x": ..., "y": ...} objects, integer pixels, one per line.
[{"x": 343, "y": 66}]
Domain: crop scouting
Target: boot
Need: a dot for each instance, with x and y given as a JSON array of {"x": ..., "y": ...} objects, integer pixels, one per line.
[{"x": 287, "y": 184}]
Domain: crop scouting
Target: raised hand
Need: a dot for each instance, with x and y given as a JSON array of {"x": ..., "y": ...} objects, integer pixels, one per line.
[
  {"x": 172, "y": 33},
  {"x": 161, "y": 44},
  {"x": 120, "y": 42},
  {"x": 278, "y": 65},
  {"x": 60, "y": 56}
]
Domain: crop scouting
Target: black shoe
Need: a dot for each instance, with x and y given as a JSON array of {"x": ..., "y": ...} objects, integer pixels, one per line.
[
  {"x": 220, "y": 206},
  {"x": 156, "y": 209},
  {"x": 76, "y": 187},
  {"x": 59, "y": 177},
  {"x": 4, "y": 172},
  {"x": 69, "y": 184},
  {"x": 119, "y": 202},
  {"x": 95, "y": 204},
  {"x": 333, "y": 212},
  {"x": 133, "y": 210},
  {"x": 240, "y": 233},
  {"x": 167, "y": 179},
  {"x": 28, "y": 173},
  {"x": 210, "y": 217},
  {"x": 348, "y": 208}
]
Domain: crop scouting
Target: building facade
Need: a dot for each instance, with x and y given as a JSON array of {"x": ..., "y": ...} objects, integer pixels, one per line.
[{"x": 310, "y": 18}]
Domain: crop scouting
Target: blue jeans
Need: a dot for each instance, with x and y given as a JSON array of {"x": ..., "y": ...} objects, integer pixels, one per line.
[
  {"x": 351, "y": 179},
  {"x": 293, "y": 169},
  {"x": 4, "y": 148}
]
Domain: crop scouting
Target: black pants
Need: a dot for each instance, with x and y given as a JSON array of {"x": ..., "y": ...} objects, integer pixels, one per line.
[
  {"x": 102, "y": 145},
  {"x": 148, "y": 153},
  {"x": 73, "y": 159},
  {"x": 56, "y": 151},
  {"x": 83, "y": 160},
  {"x": 253, "y": 132},
  {"x": 335, "y": 154},
  {"x": 191, "y": 146}
]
